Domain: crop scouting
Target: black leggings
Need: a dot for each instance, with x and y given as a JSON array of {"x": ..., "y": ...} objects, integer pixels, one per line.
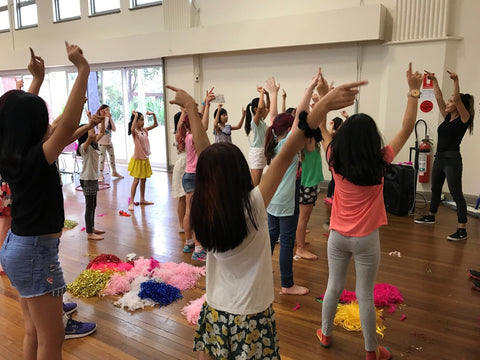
[
  {"x": 90, "y": 206},
  {"x": 448, "y": 164}
]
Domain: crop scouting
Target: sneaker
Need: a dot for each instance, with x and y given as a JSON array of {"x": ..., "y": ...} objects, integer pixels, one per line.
[
  {"x": 77, "y": 329},
  {"x": 476, "y": 285},
  {"x": 383, "y": 353},
  {"x": 69, "y": 308},
  {"x": 426, "y": 219},
  {"x": 188, "y": 248},
  {"x": 474, "y": 274},
  {"x": 324, "y": 340},
  {"x": 459, "y": 235},
  {"x": 199, "y": 256}
]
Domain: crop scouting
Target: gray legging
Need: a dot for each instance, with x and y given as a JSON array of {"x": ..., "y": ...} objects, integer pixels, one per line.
[
  {"x": 111, "y": 155},
  {"x": 366, "y": 253}
]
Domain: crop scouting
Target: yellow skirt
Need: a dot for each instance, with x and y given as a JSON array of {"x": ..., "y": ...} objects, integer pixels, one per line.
[{"x": 139, "y": 168}]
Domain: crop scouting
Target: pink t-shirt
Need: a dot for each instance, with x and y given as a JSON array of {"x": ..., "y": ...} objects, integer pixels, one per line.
[
  {"x": 192, "y": 156},
  {"x": 358, "y": 210},
  {"x": 142, "y": 145}
]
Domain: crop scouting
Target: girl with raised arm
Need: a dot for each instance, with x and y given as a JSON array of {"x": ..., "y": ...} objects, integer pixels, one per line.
[
  {"x": 228, "y": 215},
  {"x": 458, "y": 113},
  {"x": 29, "y": 255},
  {"x": 358, "y": 160}
]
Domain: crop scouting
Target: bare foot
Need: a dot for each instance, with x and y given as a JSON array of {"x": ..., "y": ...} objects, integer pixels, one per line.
[
  {"x": 305, "y": 254},
  {"x": 145, "y": 202},
  {"x": 117, "y": 175},
  {"x": 98, "y": 231},
  {"x": 130, "y": 207},
  {"x": 295, "y": 290},
  {"x": 94, "y": 236},
  {"x": 101, "y": 179}
]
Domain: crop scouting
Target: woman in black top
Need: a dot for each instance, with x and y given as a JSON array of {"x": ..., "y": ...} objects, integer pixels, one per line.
[{"x": 458, "y": 113}]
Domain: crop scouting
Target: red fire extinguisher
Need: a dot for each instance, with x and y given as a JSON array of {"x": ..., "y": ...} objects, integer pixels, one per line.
[{"x": 424, "y": 160}]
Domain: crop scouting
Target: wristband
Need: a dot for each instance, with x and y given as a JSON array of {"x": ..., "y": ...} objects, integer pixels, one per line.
[{"x": 203, "y": 103}]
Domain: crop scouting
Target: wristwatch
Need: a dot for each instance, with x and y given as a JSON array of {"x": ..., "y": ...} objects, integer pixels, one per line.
[{"x": 414, "y": 93}]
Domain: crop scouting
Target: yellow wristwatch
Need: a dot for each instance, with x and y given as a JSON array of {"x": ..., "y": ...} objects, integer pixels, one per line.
[{"x": 414, "y": 93}]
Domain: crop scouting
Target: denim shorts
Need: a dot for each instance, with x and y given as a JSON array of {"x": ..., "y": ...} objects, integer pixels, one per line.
[
  {"x": 32, "y": 266},
  {"x": 188, "y": 182}
]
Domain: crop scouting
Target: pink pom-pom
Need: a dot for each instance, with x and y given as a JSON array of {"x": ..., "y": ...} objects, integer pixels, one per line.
[
  {"x": 83, "y": 228},
  {"x": 192, "y": 310},
  {"x": 386, "y": 295},
  {"x": 297, "y": 306},
  {"x": 118, "y": 284},
  {"x": 403, "y": 317}
]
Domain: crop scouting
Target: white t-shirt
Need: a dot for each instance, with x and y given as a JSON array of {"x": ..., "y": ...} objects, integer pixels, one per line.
[
  {"x": 90, "y": 163},
  {"x": 240, "y": 281}
]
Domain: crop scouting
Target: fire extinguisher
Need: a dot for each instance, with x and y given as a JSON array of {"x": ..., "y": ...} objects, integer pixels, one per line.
[{"x": 424, "y": 160}]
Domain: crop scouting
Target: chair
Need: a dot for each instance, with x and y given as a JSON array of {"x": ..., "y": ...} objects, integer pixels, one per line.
[{"x": 70, "y": 150}]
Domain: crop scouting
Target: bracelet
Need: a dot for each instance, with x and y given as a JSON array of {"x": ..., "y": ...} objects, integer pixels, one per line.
[{"x": 307, "y": 131}]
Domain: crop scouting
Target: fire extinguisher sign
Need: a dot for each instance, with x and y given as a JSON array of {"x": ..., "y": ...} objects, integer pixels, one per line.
[{"x": 427, "y": 95}]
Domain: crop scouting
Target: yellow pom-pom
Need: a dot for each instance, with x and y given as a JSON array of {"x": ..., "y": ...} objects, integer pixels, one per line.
[
  {"x": 89, "y": 283},
  {"x": 348, "y": 316},
  {"x": 69, "y": 224}
]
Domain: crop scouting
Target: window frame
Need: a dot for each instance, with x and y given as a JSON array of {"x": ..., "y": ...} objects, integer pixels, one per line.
[
  {"x": 135, "y": 6},
  {"x": 2, "y": 9},
  {"x": 93, "y": 13},
  {"x": 18, "y": 13},
  {"x": 57, "y": 16}
]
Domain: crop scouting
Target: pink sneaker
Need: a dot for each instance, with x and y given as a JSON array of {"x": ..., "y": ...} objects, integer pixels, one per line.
[{"x": 324, "y": 340}]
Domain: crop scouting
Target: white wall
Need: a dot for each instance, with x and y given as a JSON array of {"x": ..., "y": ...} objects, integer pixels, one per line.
[{"x": 239, "y": 44}]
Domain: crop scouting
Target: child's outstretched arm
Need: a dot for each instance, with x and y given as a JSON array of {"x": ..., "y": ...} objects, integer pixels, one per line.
[
  {"x": 70, "y": 118},
  {"x": 206, "y": 109},
  {"x": 305, "y": 100},
  {"x": 338, "y": 98},
  {"x": 240, "y": 123},
  {"x": 462, "y": 110},
  {"x": 261, "y": 106},
  {"x": 93, "y": 121},
  {"x": 101, "y": 127},
  {"x": 37, "y": 69},
  {"x": 273, "y": 88},
  {"x": 216, "y": 130},
  {"x": 284, "y": 100},
  {"x": 199, "y": 133},
  {"x": 414, "y": 83},
  {"x": 134, "y": 123},
  {"x": 155, "y": 121}
]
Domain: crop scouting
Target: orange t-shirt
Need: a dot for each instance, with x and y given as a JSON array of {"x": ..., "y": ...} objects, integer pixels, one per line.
[{"x": 358, "y": 210}]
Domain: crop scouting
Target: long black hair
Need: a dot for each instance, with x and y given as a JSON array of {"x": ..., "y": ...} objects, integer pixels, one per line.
[
  {"x": 251, "y": 111},
  {"x": 131, "y": 121},
  {"x": 221, "y": 198},
  {"x": 356, "y": 151},
  {"x": 23, "y": 124},
  {"x": 469, "y": 102}
]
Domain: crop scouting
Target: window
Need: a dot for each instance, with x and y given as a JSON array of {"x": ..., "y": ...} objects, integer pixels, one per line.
[
  {"x": 66, "y": 10},
  {"x": 100, "y": 7},
  {"x": 26, "y": 13},
  {"x": 135, "y": 4},
  {"x": 4, "y": 22}
]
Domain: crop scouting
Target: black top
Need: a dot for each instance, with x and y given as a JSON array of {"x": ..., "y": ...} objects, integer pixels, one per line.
[
  {"x": 450, "y": 134},
  {"x": 37, "y": 198}
]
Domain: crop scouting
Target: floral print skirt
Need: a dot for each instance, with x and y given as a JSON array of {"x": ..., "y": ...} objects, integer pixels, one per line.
[{"x": 229, "y": 336}]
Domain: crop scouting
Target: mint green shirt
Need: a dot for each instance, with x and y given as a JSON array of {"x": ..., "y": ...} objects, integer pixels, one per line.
[{"x": 258, "y": 133}]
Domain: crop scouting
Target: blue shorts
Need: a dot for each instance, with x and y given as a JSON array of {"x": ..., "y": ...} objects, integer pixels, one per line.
[
  {"x": 32, "y": 266},
  {"x": 188, "y": 182}
]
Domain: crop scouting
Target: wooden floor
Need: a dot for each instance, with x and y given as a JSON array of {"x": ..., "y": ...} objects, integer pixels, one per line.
[{"x": 442, "y": 311}]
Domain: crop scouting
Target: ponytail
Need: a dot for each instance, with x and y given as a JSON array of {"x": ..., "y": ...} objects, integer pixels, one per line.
[{"x": 251, "y": 110}]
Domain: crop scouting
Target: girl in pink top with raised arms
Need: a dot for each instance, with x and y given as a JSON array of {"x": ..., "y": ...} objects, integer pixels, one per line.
[
  {"x": 358, "y": 160},
  {"x": 139, "y": 165}
]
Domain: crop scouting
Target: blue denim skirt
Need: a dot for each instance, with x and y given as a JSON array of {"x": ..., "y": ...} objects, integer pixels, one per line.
[
  {"x": 32, "y": 266},
  {"x": 188, "y": 182}
]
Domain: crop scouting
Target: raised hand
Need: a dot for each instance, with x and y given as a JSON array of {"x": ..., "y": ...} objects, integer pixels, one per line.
[
  {"x": 430, "y": 76},
  {"x": 75, "y": 55},
  {"x": 341, "y": 96},
  {"x": 18, "y": 84},
  {"x": 322, "y": 85},
  {"x": 210, "y": 96},
  {"x": 284, "y": 93},
  {"x": 453, "y": 75},
  {"x": 89, "y": 114},
  {"x": 414, "y": 79},
  {"x": 95, "y": 119},
  {"x": 260, "y": 89},
  {"x": 150, "y": 113},
  {"x": 36, "y": 66},
  {"x": 271, "y": 86},
  {"x": 182, "y": 98}
]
